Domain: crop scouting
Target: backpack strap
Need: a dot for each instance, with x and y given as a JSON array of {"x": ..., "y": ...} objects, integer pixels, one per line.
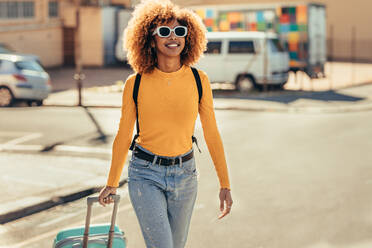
[
  {"x": 198, "y": 82},
  {"x": 135, "y": 97},
  {"x": 200, "y": 92}
]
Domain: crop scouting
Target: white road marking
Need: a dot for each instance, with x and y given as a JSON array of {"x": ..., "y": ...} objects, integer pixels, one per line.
[
  {"x": 84, "y": 149},
  {"x": 35, "y": 148},
  {"x": 27, "y": 182},
  {"x": 61, "y": 148},
  {"x": 22, "y": 139},
  {"x": 60, "y": 219}
]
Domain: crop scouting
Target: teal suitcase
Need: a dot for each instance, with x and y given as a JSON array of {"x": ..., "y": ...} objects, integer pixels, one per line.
[{"x": 95, "y": 236}]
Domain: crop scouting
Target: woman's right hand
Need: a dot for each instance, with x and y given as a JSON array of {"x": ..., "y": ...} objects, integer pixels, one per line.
[{"x": 104, "y": 198}]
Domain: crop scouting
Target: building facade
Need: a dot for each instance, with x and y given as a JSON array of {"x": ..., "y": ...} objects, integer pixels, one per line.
[{"x": 46, "y": 28}]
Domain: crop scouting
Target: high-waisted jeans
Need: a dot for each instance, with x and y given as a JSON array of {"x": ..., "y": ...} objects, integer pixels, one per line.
[{"x": 163, "y": 198}]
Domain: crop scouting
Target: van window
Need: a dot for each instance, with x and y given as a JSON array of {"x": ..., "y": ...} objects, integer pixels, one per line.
[
  {"x": 214, "y": 47},
  {"x": 276, "y": 46},
  {"x": 241, "y": 47}
]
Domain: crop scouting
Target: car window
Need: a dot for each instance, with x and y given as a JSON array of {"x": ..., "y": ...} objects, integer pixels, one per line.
[
  {"x": 29, "y": 65},
  {"x": 276, "y": 46},
  {"x": 241, "y": 47},
  {"x": 6, "y": 66},
  {"x": 214, "y": 47}
]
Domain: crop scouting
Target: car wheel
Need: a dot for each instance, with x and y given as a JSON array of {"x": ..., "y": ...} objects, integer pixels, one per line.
[
  {"x": 245, "y": 84},
  {"x": 39, "y": 103},
  {"x": 6, "y": 97}
]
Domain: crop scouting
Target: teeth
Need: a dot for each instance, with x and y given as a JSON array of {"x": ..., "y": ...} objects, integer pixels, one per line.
[{"x": 172, "y": 45}]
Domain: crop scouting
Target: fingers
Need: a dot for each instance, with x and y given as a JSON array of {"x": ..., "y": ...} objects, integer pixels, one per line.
[
  {"x": 225, "y": 204},
  {"x": 104, "y": 196}
]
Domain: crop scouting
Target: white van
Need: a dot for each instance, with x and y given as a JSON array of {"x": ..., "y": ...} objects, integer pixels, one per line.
[{"x": 239, "y": 58}]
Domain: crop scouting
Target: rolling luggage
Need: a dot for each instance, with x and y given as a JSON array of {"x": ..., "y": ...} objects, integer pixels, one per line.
[{"x": 95, "y": 236}]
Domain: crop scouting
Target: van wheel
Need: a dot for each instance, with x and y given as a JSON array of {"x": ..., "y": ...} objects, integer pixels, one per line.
[
  {"x": 6, "y": 97},
  {"x": 245, "y": 84},
  {"x": 39, "y": 102}
]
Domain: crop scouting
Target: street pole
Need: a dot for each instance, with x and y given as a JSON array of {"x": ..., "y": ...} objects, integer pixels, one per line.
[
  {"x": 265, "y": 64},
  {"x": 79, "y": 76}
]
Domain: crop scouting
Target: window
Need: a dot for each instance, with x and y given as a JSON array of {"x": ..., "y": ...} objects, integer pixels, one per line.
[
  {"x": 53, "y": 9},
  {"x": 3, "y": 10},
  {"x": 276, "y": 46},
  {"x": 214, "y": 47},
  {"x": 28, "y": 9},
  {"x": 13, "y": 9},
  {"x": 241, "y": 47},
  {"x": 17, "y": 9},
  {"x": 29, "y": 65}
]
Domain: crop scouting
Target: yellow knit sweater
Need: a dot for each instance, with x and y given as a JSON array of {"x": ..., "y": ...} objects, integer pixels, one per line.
[{"x": 167, "y": 109}]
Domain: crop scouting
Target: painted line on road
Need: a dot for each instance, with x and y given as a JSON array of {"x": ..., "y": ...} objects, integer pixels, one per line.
[
  {"x": 61, "y": 148},
  {"x": 60, "y": 219},
  {"x": 83, "y": 149},
  {"x": 27, "y": 182},
  {"x": 22, "y": 139}
]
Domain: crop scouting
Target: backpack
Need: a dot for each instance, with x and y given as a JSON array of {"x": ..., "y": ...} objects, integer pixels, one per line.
[{"x": 135, "y": 96}]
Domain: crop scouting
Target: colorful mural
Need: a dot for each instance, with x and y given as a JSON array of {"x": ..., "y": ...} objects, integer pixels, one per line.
[{"x": 289, "y": 22}]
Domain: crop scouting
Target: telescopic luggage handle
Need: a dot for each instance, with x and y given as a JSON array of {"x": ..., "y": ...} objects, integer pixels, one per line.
[{"x": 90, "y": 201}]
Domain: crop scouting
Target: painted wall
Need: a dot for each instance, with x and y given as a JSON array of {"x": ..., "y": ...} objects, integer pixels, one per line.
[{"x": 341, "y": 14}]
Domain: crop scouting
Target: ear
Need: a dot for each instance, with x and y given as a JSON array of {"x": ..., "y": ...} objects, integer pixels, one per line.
[{"x": 152, "y": 43}]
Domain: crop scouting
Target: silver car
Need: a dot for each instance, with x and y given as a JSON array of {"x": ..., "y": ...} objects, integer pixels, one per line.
[{"x": 22, "y": 78}]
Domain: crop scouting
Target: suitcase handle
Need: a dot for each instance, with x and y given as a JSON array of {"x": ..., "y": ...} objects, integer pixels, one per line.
[{"x": 90, "y": 201}]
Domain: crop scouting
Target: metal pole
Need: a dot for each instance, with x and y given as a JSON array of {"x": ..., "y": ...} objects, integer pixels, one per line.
[
  {"x": 330, "y": 78},
  {"x": 265, "y": 67},
  {"x": 353, "y": 50},
  {"x": 79, "y": 76}
]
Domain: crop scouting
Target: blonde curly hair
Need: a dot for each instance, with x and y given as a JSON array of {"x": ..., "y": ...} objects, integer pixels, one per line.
[{"x": 145, "y": 18}]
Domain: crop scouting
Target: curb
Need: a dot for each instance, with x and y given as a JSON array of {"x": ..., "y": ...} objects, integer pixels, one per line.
[
  {"x": 305, "y": 109},
  {"x": 52, "y": 202}
]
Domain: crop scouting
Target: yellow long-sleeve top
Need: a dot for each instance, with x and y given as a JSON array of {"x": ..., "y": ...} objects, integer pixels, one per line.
[{"x": 167, "y": 110}]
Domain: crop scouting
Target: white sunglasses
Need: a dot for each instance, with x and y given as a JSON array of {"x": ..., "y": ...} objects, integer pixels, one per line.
[{"x": 164, "y": 31}]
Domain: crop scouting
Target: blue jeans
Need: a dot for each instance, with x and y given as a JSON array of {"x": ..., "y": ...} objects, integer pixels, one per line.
[{"x": 163, "y": 198}]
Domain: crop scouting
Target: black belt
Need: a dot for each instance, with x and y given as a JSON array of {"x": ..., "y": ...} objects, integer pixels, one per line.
[{"x": 161, "y": 160}]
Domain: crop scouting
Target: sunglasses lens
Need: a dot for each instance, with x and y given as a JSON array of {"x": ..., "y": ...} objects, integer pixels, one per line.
[
  {"x": 164, "y": 31},
  {"x": 180, "y": 31}
]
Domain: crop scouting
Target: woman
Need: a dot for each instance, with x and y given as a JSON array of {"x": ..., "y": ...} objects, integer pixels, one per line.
[{"x": 162, "y": 41}]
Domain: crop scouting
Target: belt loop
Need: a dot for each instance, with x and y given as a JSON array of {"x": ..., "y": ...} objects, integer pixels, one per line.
[
  {"x": 180, "y": 158},
  {"x": 155, "y": 158}
]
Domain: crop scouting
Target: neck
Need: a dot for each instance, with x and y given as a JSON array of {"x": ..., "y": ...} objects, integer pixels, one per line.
[{"x": 169, "y": 64}]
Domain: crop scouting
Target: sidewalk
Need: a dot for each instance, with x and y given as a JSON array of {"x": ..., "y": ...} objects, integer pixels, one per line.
[
  {"x": 34, "y": 182},
  {"x": 355, "y": 98}
]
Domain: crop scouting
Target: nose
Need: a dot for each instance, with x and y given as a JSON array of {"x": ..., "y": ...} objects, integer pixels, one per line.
[{"x": 172, "y": 35}]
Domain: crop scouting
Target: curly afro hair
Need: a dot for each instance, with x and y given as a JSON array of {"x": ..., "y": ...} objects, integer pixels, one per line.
[{"x": 145, "y": 18}]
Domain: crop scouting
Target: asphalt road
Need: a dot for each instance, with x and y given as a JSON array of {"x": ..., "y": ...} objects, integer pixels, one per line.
[{"x": 298, "y": 180}]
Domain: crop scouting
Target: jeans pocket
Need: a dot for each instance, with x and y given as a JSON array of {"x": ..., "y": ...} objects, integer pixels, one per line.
[
  {"x": 141, "y": 163},
  {"x": 189, "y": 167}
]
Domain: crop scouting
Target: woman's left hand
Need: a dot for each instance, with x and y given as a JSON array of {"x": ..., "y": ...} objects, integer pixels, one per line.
[{"x": 225, "y": 202}]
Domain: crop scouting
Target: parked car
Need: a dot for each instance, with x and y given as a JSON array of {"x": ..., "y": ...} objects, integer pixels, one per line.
[
  {"x": 22, "y": 78},
  {"x": 4, "y": 48},
  {"x": 242, "y": 58}
]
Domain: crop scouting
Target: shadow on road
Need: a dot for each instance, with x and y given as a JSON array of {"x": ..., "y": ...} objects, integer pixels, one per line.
[{"x": 288, "y": 96}]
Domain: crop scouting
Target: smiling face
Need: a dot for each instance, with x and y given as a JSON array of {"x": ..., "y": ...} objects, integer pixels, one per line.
[{"x": 171, "y": 46}]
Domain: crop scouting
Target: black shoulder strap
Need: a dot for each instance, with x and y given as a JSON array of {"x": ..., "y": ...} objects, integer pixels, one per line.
[
  {"x": 135, "y": 97},
  {"x": 198, "y": 82}
]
